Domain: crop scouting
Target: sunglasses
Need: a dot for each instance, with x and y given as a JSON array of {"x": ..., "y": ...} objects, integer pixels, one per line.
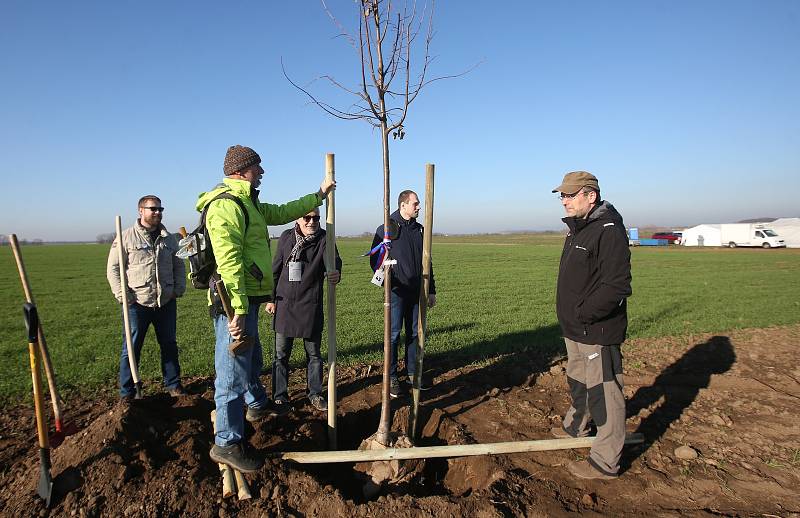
[
  {"x": 155, "y": 209},
  {"x": 564, "y": 196},
  {"x": 311, "y": 218}
]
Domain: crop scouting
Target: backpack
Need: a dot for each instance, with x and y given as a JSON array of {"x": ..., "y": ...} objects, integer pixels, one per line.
[{"x": 196, "y": 246}]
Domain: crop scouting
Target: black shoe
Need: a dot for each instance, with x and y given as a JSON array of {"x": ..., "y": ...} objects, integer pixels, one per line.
[
  {"x": 395, "y": 388},
  {"x": 424, "y": 384},
  {"x": 177, "y": 391},
  {"x": 270, "y": 408},
  {"x": 318, "y": 402},
  {"x": 235, "y": 457}
]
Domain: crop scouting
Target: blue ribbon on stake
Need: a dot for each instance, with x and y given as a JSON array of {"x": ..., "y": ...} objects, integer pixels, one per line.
[{"x": 381, "y": 248}]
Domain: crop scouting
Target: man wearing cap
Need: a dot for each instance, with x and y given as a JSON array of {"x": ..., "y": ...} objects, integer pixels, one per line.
[
  {"x": 156, "y": 277},
  {"x": 242, "y": 252},
  {"x": 594, "y": 282}
]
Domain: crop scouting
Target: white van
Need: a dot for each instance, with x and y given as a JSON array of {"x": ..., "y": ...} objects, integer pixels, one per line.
[{"x": 749, "y": 234}]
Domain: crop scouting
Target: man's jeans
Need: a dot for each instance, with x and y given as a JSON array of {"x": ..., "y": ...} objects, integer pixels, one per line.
[
  {"x": 280, "y": 366},
  {"x": 405, "y": 311},
  {"x": 163, "y": 320},
  {"x": 237, "y": 380}
]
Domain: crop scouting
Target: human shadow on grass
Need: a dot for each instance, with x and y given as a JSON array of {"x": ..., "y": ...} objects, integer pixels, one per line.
[{"x": 679, "y": 385}]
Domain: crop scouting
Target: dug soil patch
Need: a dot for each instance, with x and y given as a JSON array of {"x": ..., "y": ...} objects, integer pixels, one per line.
[{"x": 732, "y": 399}]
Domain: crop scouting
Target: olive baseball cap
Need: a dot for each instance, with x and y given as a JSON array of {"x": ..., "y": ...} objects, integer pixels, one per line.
[{"x": 577, "y": 180}]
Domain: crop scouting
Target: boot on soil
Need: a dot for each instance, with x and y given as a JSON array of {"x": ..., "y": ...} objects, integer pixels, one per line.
[
  {"x": 234, "y": 455},
  {"x": 395, "y": 388},
  {"x": 582, "y": 469},
  {"x": 318, "y": 402},
  {"x": 559, "y": 433},
  {"x": 177, "y": 391},
  {"x": 270, "y": 409}
]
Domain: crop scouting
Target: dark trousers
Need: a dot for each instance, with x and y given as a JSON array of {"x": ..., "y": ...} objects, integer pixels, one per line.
[
  {"x": 405, "y": 313},
  {"x": 280, "y": 366},
  {"x": 163, "y": 320},
  {"x": 594, "y": 375}
]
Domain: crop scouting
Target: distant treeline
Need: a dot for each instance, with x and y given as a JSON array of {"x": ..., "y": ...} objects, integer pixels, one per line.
[{"x": 6, "y": 240}]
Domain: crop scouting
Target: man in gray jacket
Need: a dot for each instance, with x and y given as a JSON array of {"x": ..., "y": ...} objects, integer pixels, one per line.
[{"x": 156, "y": 277}]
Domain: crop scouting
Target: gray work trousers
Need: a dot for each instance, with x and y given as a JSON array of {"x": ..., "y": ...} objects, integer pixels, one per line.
[{"x": 594, "y": 375}]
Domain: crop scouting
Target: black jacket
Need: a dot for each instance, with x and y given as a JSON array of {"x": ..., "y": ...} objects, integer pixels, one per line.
[
  {"x": 594, "y": 278},
  {"x": 298, "y": 305},
  {"x": 407, "y": 250}
]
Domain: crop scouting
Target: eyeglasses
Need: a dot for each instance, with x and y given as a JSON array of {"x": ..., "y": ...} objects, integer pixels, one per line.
[
  {"x": 310, "y": 218},
  {"x": 564, "y": 196},
  {"x": 155, "y": 209}
]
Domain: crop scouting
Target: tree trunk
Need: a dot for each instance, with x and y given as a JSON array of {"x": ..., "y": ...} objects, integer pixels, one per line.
[{"x": 386, "y": 411}]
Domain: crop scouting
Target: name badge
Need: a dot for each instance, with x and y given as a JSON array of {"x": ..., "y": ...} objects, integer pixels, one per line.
[
  {"x": 377, "y": 279},
  {"x": 295, "y": 271}
]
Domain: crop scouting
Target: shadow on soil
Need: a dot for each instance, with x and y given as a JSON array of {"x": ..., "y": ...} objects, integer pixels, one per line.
[
  {"x": 520, "y": 358},
  {"x": 679, "y": 385}
]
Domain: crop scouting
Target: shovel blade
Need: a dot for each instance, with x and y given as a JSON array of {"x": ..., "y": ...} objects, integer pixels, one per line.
[{"x": 45, "y": 488}]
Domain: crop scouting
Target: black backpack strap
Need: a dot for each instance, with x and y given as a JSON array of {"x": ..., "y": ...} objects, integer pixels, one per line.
[{"x": 226, "y": 196}]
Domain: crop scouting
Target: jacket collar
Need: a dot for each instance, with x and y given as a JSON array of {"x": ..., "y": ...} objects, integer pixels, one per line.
[
  {"x": 602, "y": 210},
  {"x": 242, "y": 188},
  {"x": 400, "y": 220},
  {"x": 145, "y": 233}
]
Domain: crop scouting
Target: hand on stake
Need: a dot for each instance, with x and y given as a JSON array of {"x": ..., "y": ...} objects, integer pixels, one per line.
[
  {"x": 327, "y": 185},
  {"x": 334, "y": 276}
]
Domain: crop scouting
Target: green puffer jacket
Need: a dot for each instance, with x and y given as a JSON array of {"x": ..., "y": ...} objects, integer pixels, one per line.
[{"x": 244, "y": 260}]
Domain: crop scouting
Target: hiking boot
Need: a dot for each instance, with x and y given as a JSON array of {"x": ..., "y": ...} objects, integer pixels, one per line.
[
  {"x": 395, "y": 388},
  {"x": 270, "y": 408},
  {"x": 318, "y": 402},
  {"x": 235, "y": 456},
  {"x": 424, "y": 383},
  {"x": 177, "y": 391},
  {"x": 559, "y": 433},
  {"x": 582, "y": 469}
]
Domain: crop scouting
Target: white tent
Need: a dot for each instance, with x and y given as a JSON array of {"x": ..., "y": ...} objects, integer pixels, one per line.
[
  {"x": 702, "y": 235},
  {"x": 788, "y": 229}
]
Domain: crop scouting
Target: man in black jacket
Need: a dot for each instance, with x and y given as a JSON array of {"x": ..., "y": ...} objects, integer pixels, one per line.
[
  {"x": 594, "y": 282},
  {"x": 299, "y": 271},
  {"x": 406, "y": 249}
]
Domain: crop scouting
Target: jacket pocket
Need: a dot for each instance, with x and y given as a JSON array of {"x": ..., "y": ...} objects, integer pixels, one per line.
[{"x": 137, "y": 276}]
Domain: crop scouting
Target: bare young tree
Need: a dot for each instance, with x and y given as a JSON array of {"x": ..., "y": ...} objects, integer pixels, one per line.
[{"x": 390, "y": 33}]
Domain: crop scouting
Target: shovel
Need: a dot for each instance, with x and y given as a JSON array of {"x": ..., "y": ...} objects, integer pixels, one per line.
[
  {"x": 45, "y": 488},
  {"x": 123, "y": 280},
  {"x": 62, "y": 429}
]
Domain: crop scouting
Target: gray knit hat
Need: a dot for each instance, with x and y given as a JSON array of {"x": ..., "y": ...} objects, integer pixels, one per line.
[{"x": 238, "y": 158}]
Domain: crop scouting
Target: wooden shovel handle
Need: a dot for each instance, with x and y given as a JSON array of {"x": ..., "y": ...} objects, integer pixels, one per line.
[{"x": 42, "y": 343}]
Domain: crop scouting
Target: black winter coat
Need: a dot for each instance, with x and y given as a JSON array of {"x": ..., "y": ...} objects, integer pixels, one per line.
[
  {"x": 298, "y": 305},
  {"x": 594, "y": 278},
  {"x": 407, "y": 250}
]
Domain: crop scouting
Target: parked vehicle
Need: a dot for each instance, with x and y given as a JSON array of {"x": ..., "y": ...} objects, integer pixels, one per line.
[
  {"x": 749, "y": 234},
  {"x": 672, "y": 237}
]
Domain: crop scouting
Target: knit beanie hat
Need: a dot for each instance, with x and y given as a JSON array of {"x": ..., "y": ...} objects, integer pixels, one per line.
[{"x": 238, "y": 158}]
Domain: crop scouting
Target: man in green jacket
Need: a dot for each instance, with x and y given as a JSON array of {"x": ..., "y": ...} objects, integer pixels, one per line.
[{"x": 244, "y": 262}]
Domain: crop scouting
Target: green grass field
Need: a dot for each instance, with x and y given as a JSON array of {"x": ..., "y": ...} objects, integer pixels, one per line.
[{"x": 496, "y": 295}]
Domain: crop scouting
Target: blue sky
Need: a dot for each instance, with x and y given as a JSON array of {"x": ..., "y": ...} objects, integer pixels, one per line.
[{"x": 687, "y": 111}]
